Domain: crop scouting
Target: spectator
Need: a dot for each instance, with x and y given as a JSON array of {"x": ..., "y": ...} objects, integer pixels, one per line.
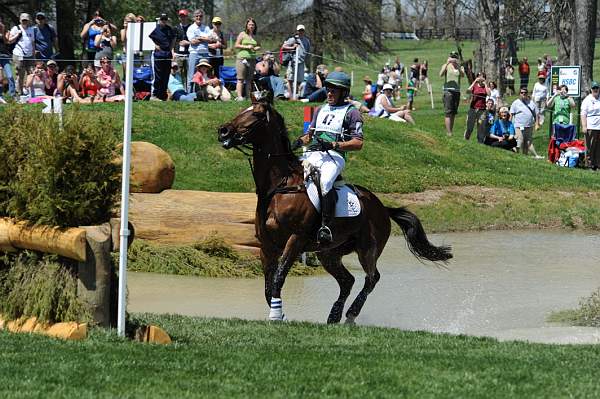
[
  {"x": 45, "y": 38},
  {"x": 479, "y": 92},
  {"x": 129, "y": 18},
  {"x": 208, "y": 87},
  {"x": 23, "y": 37},
  {"x": 315, "y": 90},
  {"x": 140, "y": 18},
  {"x": 451, "y": 72},
  {"x": 561, "y": 105},
  {"x": 298, "y": 41},
  {"x": 368, "y": 95},
  {"x": 182, "y": 45},
  {"x": 105, "y": 42},
  {"x": 399, "y": 67},
  {"x": 109, "y": 81},
  {"x": 495, "y": 94},
  {"x": 539, "y": 95},
  {"x": 163, "y": 37},
  {"x": 52, "y": 72},
  {"x": 37, "y": 81},
  {"x": 89, "y": 32},
  {"x": 524, "y": 72},
  {"x": 267, "y": 71},
  {"x": 216, "y": 47},
  {"x": 246, "y": 58},
  {"x": 548, "y": 68},
  {"x": 509, "y": 77},
  {"x": 382, "y": 78},
  {"x": 89, "y": 85},
  {"x": 486, "y": 120},
  {"x": 198, "y": 35},
  {"x": 423, "y": 73},
  {"x": 525, "y": 118},
  {"x": 384, "y": 107},
  {"x": 68, "y": 85},
  {"x": 502, "y": 132},
  {"x": 5, "y": 57},
  {"x": 176, "y": 87},
  {"x": 541, "y": 68},
  {"x": 410, "y": 93},
  {"x": 590, "y": 124},
  {"x": 415, "y": 71}
]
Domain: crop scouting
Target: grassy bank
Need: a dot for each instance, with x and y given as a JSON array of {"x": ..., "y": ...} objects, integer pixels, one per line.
[{"x": 232, "y": 358}]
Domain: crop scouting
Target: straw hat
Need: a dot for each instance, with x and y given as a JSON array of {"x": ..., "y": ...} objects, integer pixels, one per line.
[
  {"x": 203, "y": 62},
  {"x": 367, "y": 78}
]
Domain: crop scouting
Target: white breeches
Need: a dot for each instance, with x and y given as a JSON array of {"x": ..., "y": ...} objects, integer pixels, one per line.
[{"x": 330, "y": 164}]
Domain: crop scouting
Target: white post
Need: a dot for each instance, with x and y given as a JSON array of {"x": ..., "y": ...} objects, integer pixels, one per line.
[
  {"x": 295, "y": 89},
  {"x": 352, "y": 78},
  {"x": 124, "y": 232}
]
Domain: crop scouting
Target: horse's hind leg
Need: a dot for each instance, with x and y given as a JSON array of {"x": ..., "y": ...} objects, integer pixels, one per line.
[
  {"x": 368, "y": 260},
  {"x": 333, "y": 264}
]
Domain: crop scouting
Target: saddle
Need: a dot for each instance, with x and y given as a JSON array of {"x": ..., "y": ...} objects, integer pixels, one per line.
[{"x": 347, "y": 196}]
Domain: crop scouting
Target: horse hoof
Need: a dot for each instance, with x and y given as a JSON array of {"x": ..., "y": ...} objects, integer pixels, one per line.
[
  {"x": 350, "y": 321},
  {"x": 282, "y": 318}
]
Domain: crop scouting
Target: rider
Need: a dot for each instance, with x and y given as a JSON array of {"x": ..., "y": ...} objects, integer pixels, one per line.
[{"x": 335, "y": 129}]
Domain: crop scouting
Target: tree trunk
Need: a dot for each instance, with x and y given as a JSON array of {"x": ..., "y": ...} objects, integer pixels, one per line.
[
  {"x": 209, "y": 9},
  {"x": 432, "y": 18},
  {"x": 317, "y": 37},
  {"x": 399, "y": 17},
  {"x": 583, "y": 39},
  {"x": 377, "y": 5},
  {"x": 489, "y": 35},
  {"x": 450, "y": 19},
  {"x": 562, "y": 20},
  {"x": 65, "y": 20}
]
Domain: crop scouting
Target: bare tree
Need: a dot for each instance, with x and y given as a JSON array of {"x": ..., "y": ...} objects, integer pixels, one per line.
[
  {"x": 561, "y": 12},
  {"x": 583, "y": 39},
  {"x": 489, "y": 36}
]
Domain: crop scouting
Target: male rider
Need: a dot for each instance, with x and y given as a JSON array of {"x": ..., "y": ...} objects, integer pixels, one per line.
[{"x": 335, "y": 129}]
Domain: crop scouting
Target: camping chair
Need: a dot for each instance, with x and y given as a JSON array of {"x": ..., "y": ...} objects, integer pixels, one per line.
[{"x": 228, "y": 76}]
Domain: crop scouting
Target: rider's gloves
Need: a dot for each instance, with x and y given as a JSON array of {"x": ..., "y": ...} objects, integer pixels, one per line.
[
  {"x": 326, "y": 145},
  {"x": 297, "y": 144}
]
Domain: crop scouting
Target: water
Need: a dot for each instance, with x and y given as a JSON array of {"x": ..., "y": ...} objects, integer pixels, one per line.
[{"x": 502, "y": 284}]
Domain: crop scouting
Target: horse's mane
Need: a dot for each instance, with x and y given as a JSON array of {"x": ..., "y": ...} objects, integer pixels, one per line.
[{"x": 293, "y": 161}]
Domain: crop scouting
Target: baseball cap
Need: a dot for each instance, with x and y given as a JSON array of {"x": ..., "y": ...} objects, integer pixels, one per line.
[
  {"x": 24, "y": 17},
  {"x": 40, "y": 15},
  {"x": 388, "y": 86},
  {"x": 183, "y": 12},
  {"x": 163, "y": 17},
  {"x": 300, "y": 27},
  {"x": 51, "y": 62},
  {"x": 174, "y": 64},
  {"x": 453, "y": 54},
  {"x": 216, "y": 20},
  {"x": 595, "y": 84}
]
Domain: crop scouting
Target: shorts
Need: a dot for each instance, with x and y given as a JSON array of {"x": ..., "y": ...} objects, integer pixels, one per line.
[
  {"x": 451, "y": 101},
  {"x": 524, "y": 136},
  {"x": 244, "y": 69}
]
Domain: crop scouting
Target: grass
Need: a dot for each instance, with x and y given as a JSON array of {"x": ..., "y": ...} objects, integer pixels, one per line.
[{"x": 242, "y": 359}]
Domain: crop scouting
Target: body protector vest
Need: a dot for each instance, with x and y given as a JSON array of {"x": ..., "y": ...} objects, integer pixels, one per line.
[{"x": 329, "y": 124}]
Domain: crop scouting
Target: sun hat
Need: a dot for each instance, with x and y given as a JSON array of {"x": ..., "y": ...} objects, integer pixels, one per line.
[
  {"x": 300, "y": 27},
  {"x": 183, "y": 12},
  {"x": 367, "y": 78},
  {"x": 217, "y": 20},
  {"x": 503, "y": 110},
  {"x": 203, "y": 62},
  {"x": 24, "y": 17},
  {"x": 387, "y": 86}
]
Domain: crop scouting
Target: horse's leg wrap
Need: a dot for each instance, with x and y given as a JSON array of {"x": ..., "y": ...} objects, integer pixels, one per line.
[{"x": 276, "y": 312}]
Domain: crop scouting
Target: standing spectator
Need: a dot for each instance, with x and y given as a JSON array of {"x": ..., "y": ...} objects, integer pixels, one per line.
[
  {"x": 298, "y": 41},
  {"x": 561, "y": 104},
  {"x": 410, "y": 93},
  {"x": 89, "y": 33},
  {"x": 423, "y": 75},
  {"x": 24, "y": 37},
  {"x": 198, "y": 35},
  {"x": 382, "y": 78},
  {"x": 451, "y": 72},
  {"x": 541, "y": 68},
  {"x": 540, "y": 94},
  {"x": 509, "y": 76},
  {"x": 105, "y": 42},
  {"x": 217, "y": 46},
  {"x": 495, "y": 94},
  {"x": 182, "y": 45},
  {"x": 45, "y": 38},
  {"x": 163, "y": 37},
  {"x": 548, "y": 68},
  {"x": 415, "y": 71},
  {"x": 246, "y": 58},
  {"x": 526, "y": 117},
  {"x": 129, "y": 18},
  {"x": 5, "y": 57},
  {"x": 524, "y": 72},
  {"x": 590, "y": 124},
  {"x": 479, "y": 92}
]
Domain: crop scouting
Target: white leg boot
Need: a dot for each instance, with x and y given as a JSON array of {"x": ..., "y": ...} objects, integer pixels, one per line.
[{"x": 276, "y": 312}]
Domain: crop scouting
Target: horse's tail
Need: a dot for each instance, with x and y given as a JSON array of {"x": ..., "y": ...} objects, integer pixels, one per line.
[{"x": 416, "y": 238}]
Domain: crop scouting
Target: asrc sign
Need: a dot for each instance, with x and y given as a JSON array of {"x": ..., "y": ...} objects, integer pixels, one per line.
[{"x": 568, "y": 75}]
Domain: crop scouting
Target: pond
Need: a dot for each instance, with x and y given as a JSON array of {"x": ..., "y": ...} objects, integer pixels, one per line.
[{"x": 500, "y": 284}]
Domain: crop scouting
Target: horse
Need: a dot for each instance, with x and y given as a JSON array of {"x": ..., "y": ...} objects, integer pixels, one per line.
[{"x": 286, "y": 222}]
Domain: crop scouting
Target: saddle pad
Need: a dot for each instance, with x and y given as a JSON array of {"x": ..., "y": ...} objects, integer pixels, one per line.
[{"x": 347, "y": 204}]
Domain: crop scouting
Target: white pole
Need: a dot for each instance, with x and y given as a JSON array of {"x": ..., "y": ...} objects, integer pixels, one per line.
[
  {"x": 124, "y": 232},
  {"x": 296, "y": 74},
  {"x": 352, "y": 78}
]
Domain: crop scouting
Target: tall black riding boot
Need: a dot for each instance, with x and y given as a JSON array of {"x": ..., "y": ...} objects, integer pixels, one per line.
[{"x": 324, "y": 235}]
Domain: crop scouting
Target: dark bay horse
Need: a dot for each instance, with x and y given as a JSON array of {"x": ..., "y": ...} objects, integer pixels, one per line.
[{"x": 286, "y": 222}]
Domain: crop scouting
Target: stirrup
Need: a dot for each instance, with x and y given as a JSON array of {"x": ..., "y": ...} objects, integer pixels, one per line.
[{"x": 324, "y": 235}]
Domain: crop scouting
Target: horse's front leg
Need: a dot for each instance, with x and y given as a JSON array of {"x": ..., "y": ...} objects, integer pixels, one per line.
[
  {"x": 269, "y": 257},
  {"x": 292, "y": 250}
]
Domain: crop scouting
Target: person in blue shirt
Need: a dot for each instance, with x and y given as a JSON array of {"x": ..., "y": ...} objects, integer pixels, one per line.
[
  {"x": 502, "y": 132},
  {"x": 45, "y": 38},
  {"x": 176, "y": 87},
  {"x": 163, "y": 37}
]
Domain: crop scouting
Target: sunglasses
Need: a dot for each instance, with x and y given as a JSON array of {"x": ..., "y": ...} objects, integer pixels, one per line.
[
  {"x": 595, "y": 88},
  {"x": 105, "y": 62},
  {"x": 524, "y": 92},
  {"x": 198, "y": 16}
]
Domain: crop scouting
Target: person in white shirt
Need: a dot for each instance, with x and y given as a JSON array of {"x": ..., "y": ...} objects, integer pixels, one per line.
[
  {"x": 199, "y": 36},
  {"x": 590, "y": 124},
  {"x": 525, "y": 117},
  {"x": 540, "y": 94},
  {"x": 24, "y": 37}
]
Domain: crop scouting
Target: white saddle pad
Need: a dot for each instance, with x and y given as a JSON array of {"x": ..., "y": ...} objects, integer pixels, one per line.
[{"x": 347, "y": 204}]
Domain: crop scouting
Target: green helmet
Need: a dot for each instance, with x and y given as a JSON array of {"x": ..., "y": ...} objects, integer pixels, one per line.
[{"x": 338, "y": 79}]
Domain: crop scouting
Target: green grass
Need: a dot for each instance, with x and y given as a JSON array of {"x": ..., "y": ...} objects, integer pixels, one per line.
[{"x": 233, "y": 358}]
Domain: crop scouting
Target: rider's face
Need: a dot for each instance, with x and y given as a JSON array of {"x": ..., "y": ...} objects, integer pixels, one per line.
[{"x": 334, "y": 95}]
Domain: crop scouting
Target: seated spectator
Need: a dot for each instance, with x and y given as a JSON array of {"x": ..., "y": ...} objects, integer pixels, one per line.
[
  {"x": 267, "y": 74},
  {"x": 486, "y": 120},
  {"x": 88, "y": 85},
  {"x": 176, "y": 87},
  {"x": 68, "y": 85},
  {"x": 37, "y": 82},
  {"x": 495, "y": 94},
  {"x": 109, "y": 81},
  {"x": 314, "y": 90},
  {"x": 207, "y": 86},
  {"x": 502, "y": 132},
  {"x": 384, "y": 107},
  {"x": 52, "y": 71}
]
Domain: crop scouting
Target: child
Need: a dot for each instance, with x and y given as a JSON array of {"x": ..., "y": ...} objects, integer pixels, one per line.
[{"x": 410, "y": 93}]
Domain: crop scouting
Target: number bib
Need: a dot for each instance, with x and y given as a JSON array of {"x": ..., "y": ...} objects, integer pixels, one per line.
[{"x": 329, "y": 123}]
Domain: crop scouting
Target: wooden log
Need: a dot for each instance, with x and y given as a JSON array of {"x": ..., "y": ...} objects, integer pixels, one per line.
[
  {"x": 5, "y": 245},
  {"x": 69, "y": 242},
  {"x": 95, "y": 274}
]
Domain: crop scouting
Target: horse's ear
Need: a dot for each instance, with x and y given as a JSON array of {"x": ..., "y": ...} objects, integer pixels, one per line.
[{"x": 262, "y": 96}]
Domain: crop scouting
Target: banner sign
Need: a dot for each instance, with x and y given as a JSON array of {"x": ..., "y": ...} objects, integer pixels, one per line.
[{"x": 567, "y": 75}]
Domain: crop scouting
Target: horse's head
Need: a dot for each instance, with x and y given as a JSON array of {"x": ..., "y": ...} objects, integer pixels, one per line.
[{"x": 245, "y": 128}]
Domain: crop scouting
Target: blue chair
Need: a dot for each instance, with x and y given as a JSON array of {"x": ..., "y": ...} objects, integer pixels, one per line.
[{"x": 228, "y": 76}]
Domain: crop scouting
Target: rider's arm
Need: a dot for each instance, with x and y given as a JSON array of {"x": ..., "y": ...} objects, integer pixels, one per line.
[{"x": 353, "y": 124}]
